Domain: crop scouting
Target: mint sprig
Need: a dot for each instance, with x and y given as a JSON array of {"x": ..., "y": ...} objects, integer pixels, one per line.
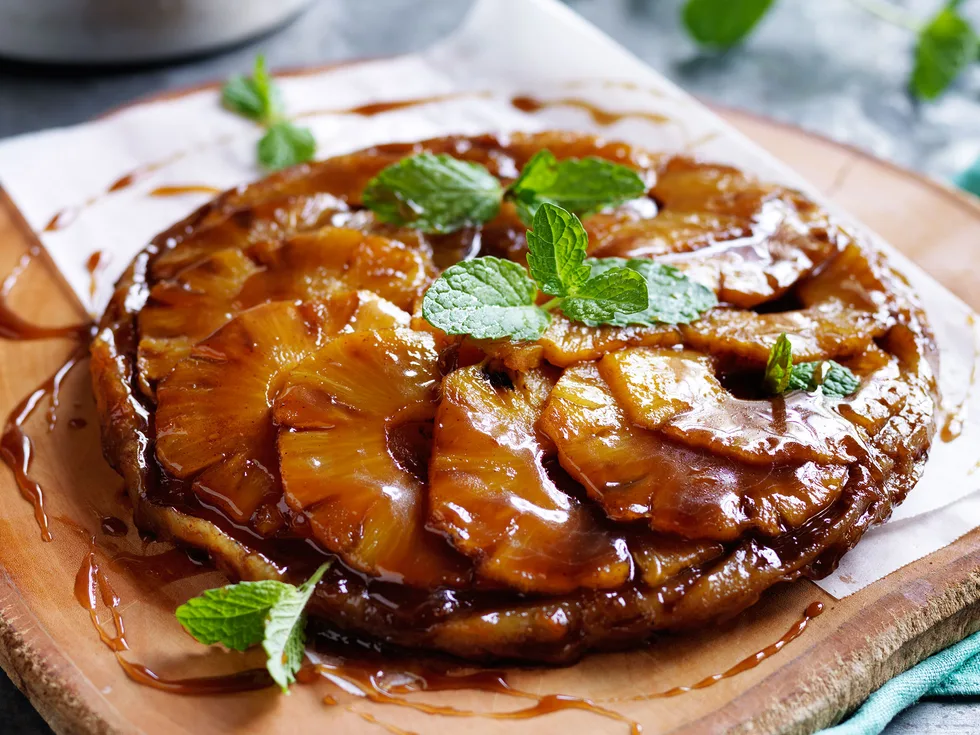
[
  {"x": 440, "y": 194},
  {"x": 723, "y": 23},
  {"x": 259, "y": 99},
  {"x": 490, "y": 298},
  {"x": 247, "y": 614},
  {"x": 829, "y": 377}
]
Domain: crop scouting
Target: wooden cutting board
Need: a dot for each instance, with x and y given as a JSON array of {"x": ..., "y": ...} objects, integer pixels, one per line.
[{"x": 50, "y": 649}]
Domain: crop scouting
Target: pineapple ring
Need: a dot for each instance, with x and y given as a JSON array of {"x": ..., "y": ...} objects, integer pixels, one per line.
[
  {"x": 677, "y": 394},
  {"x": 635, "y": 474},
  {"x": 336, "y": 413},
  {"x": 843, "y": 312},
  {"x": 490, "y": 492},
  {"x": 214, "y": 410},
  {"x": 187, "y": 308}
]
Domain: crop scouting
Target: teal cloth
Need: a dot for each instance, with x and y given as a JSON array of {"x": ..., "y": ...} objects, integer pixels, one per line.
[
  {"x": 951, "y": 673},
  {"x": 969, "y": 180}
]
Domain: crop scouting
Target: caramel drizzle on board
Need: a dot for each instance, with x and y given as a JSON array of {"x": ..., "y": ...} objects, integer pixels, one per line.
[
  {"x": 365, "y": 679},
  {"x": 955, "y": 415}
]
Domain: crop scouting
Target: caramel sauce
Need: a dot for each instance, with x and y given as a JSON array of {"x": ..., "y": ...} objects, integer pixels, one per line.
[
  {"x": 95, "y": 262},
  {"x": 249, "y": 680},
  {"x": 812, "y": 611},
  {"x": 367, "y": 682},
  {"x": 955, "y": 416},
  {"x": 176, "y": 191},
  {"x": 14, "y": 327},
  {"x": 598, "y": 115},
  {"x": 77, "y": 423},
  {"x": 16, "y": 447},
  {"x": 379, "y": 108},
  {"x": 91, "y": 584},
  {"x": 367, "y": 717},
  {"x": 112, "y": 526}
]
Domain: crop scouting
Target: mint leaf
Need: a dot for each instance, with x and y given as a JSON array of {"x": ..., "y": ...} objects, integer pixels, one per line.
[
  {"x": 947, "y": 45},
  {"x": 579, "y": 185},
  {"x": 233, "y": 615},
  {"x": 779, "y": 367},
  {"x": 832, "y": 378},
  {"x": 434, "y": 193},
  {"x": 723, "y": 23},
  {"x": 489, "y": 298},
  {"x": 285, "y": 145},
  {"x": 601, "y": 299},
  {"x": 673, "y": 297},
  {"x": 285, "y": 637},
  {"x": 255, "y": 97},
  {"x": 556, "y": 251},
  {"x": 246, "y": 614}
]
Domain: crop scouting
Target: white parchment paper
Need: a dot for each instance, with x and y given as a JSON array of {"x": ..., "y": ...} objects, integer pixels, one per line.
[{"x": 505, "y": 48}]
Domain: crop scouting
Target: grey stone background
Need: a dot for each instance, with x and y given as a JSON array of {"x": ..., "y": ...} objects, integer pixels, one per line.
[{"x": 825, "y": 65}]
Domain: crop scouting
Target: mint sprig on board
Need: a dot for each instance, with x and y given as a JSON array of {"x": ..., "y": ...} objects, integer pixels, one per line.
[
  {"x": 829, "y": 377},
  {"x": 491, "y": 298},
  {"x": 266, "y": 613},
  {"x": 439, "y": 194},
  {"x": 259, "y": 99}
]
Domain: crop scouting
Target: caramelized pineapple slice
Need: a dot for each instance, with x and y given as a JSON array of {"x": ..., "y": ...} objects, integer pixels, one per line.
[
  {"x": 317, "y": 265},
  {"x": 638, "y": 474},
  {"x": 342, "y": 413},
  {"x": 843, "y": 311},
  {"x": 267, "y": 220},
  {"x": 214, "y": 417},
  {"x": 619, "y": 235},
  {"x": 678, "y": 394},
  {"x": 491, "y": 493}
]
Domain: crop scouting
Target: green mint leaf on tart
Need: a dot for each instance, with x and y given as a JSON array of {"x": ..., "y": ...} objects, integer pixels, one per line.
[
  {"x": 779, "y": 367},
  {"x": 285, "y": 145},
  {"x": 673, "y": 297},
  {"x": 247, "y": 614},
  {"x": 255, "y": 97},
  {"x": 579, "y": 185},
  {"x": 829, "y": 377},
  {"x": 603, "y": 299},
  {"x": 723, "y": 23},
  {"x": 556, "y": 251},
  {"x": 947, "y": 45},
  {"x": 434, "y": 193},
  {"x": 488, "y": 298}
]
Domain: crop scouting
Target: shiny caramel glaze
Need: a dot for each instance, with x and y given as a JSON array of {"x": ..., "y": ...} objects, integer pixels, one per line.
[{"x": 268, "y": 396}]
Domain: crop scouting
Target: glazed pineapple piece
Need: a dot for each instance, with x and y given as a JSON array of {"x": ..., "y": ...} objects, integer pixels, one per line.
[
  {"x": 679, "y": 395},
  {"x": 352, "y": 447},
  {"x": 214, "y": 410},
  {"x": 327, "y": 263},
  {"x": 638, "y": 474},
  {"x": 843, "y": 310},
  {"x": 240, "y": 228},
  {"x": 490, "y": 491}
]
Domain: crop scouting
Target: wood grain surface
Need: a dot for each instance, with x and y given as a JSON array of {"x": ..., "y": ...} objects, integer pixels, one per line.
[{"x": 49, "y": 647}]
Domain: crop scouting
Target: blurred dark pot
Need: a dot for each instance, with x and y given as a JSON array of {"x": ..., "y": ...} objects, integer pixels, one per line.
[{"x": 128, "y": 31}]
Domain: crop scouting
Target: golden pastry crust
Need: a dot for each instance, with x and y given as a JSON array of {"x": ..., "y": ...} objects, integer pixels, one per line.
[{"x": 267, "y": 396}]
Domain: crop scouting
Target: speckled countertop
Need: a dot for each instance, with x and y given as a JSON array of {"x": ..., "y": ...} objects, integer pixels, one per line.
[{"x": 822, "y": 64}]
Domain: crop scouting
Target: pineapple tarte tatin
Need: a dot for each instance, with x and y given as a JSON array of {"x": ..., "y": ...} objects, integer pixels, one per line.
[{"x": 270, "y": 392}]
